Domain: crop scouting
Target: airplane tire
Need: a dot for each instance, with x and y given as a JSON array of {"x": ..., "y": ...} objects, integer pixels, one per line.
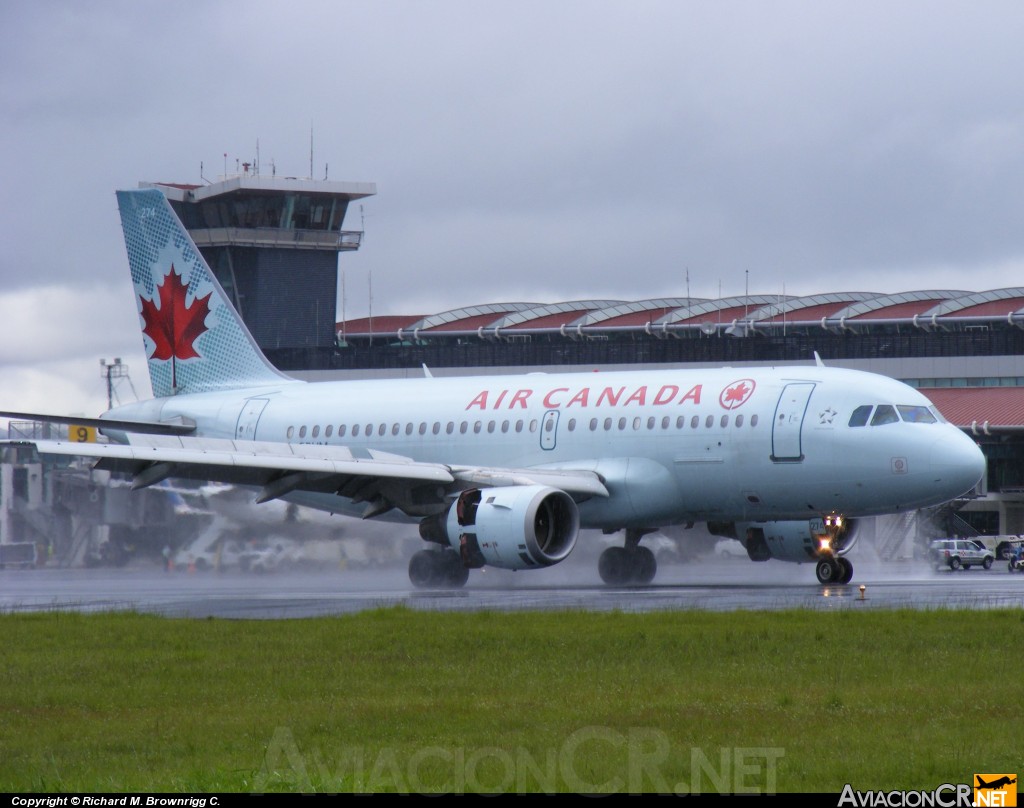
[
  {"x": 423, "y": 569},
  {"x": 644, "y": 565},
  {"x": 456, "y": 573},
  {"x": 614, "y": 566},
  {"x": 437, "y": 569},
  {"x": 846, "y": 570},
  {"x": 828, "y": 571}
]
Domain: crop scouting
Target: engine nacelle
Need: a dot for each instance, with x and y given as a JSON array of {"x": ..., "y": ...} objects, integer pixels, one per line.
[
  {"x": 790, "y": 541},
  {"x": 514, "y": 527}
]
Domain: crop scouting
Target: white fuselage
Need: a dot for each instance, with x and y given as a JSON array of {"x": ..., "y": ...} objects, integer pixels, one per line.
[{"x": 671, "y": 445}]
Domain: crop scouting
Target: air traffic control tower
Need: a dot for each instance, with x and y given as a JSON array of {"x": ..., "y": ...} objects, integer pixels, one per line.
[{"x": 273, "y": 243}]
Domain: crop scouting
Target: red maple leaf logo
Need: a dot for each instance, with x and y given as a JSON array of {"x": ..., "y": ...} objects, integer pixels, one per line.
[
  {"x": 174, "y": 327},
  {"x": 736, "y": 393}
]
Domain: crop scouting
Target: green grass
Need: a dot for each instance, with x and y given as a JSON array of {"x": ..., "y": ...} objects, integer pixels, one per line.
[{"x": 418, "y": 701}]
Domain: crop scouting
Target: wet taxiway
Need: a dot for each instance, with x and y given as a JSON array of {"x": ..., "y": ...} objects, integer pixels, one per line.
[{"x": 710, "y": 585}]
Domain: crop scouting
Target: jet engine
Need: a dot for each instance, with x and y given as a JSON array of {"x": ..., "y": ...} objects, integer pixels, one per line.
[
  {"x": 514, "y": 527},
  {"x": 809, "y": 541}
]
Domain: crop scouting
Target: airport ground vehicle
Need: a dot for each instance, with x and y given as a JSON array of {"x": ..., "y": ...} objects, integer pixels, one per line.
[
  {"x": 959, "y": 554},
  {"x": 1015, "y": 557}
]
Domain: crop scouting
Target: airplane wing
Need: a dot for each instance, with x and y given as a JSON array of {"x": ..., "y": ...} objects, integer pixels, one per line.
[
  {"x": 177, "y": 427},
  {"x": 381, "y": 479}
]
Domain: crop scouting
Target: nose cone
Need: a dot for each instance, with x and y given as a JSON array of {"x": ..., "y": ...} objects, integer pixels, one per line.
[{"x": 957, "y": 463}]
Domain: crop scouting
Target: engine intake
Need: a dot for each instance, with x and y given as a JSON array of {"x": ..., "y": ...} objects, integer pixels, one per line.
[{"x": 514, "y": 527}]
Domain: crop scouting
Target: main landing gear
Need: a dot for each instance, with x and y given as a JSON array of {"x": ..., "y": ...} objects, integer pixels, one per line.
[
  {"x": 632, "y": 564},
  {"x": 437, "y": 569}
]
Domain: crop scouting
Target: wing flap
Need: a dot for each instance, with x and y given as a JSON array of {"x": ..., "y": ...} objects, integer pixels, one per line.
[{"x": 247, "y": 462}]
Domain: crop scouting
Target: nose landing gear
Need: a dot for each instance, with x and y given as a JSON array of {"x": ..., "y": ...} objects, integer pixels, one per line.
[{"x": 832, "y": 568}]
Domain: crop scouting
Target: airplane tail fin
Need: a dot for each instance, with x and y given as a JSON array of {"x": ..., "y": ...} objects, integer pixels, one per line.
[{"x": 194, "y": 339}]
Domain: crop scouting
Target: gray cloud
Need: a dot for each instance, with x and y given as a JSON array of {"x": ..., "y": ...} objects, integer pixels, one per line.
[{"x": 535, "y": 150}]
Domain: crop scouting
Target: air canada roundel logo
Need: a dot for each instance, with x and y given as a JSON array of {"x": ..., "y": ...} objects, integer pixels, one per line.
[{"x": 736, "y": 394}]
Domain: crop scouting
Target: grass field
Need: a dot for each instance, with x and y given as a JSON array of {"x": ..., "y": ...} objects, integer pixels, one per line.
[{"x": 415, "y": 701}]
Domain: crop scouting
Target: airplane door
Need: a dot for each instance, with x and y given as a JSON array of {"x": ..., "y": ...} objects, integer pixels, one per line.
[
  {"x": 248, "y": 418},
  {"x": 789, "y": 420},
  {"x": 549, "y": 430}
]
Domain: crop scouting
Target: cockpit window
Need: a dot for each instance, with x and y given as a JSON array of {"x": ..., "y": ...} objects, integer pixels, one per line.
[
  {"x": 938, "y": 415},
  {"x": 915, "y": 415},
  {"x": 885, "y": 414},
  {"x": 860, "y": 415}
]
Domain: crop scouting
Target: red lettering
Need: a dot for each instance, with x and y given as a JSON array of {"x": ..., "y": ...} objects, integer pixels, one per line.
[
  {"x": 501, "y": 397},
  {"x": 519, "y": 398},
  {"x": 666, "y": 394},
  {"x": 639, "y": 396},
  {"x": 548, "y": 403},
  {"x": 580, "y": 398},
  {"x": 480, "y": 401},
  {"x": 613, "y": 398},
  {"x": 693, "y": 395}
]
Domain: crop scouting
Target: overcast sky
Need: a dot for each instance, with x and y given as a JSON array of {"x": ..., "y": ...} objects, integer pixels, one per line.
[{"x": 527, "y": 151}]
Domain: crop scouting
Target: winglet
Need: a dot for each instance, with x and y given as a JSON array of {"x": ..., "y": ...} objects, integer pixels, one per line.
[
  {"x": 426, "y": 371},
  {"x": 817, "y": 360}
]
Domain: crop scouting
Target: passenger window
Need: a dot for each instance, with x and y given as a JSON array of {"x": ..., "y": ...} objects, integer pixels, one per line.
[
  {"x": 341, "y": 431},
  {"x": 291, "y": 432},
  {"x": 593, "y": 424},
  {"x": 382, "y": 429},
  {"x": 463, "y": 427},
  {"x": 450, "y": 428},
  {"x": 665, "y": 422},
  {"x": 328, "y": 430},
  {"x": 302, "y": 432},
  {"x": 395, "y": 429},
  {"x": 860, "y": 415},
  {"x": 753, "y": 420},
  {"x": 519, "y": 425},
  {"x": 408, "y": 428},
  {"x": 709, "y": 422},
  {"x": 885, "y": 414},
  {"x": 316, "y": 432},
  {"x": 423, "y": 427},
  {"x": 436, "y": 428},
  {"x": 724, "y": 422},
  {"x": 504, "y": 426},
  {"x": 636, "y": 423},
  {"x": 739, "y": 420},
  {"x": 572, "y": 424},
  {"x": 355, "y": 430},
  {"x": 694, "y": 422},
  {"x": 607, "y": 424},
  {"x": 622, "y": 424}
]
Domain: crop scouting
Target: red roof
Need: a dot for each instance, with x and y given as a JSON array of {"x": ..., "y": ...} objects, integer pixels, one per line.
[
  {"x": 377, "y": 325},
  {"x": 996, "y": 307},
  {"x": 811, "y": 314},
  {"x": 963, "y": 406},
  {"x": 900, "y": 310},
  {"x": 552, "y": 320}
]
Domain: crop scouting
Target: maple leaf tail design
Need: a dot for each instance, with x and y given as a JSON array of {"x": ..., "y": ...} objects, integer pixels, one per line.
[{"x": 194, "y": 339}]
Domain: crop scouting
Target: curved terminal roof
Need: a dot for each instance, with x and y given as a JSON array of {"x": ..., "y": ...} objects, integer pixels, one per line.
[
  {"x": 637, "y": 313},
  {"x": 921, "y": 309},
  {"x": 993, "y": 303},
  {"x": 898, "y": 306},
  {"x": 554, "y": 315}
]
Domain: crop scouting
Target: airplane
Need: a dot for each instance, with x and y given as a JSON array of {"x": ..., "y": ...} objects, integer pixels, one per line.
[{"x": 506, "y": 470}]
